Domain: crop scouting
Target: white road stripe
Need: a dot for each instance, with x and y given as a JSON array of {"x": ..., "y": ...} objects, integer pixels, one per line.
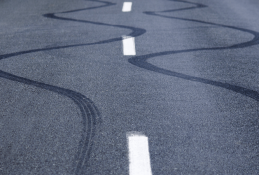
[
  {"x": 127, "y": 6},
  {"x": 139, "y": 160},
  {"x": 128, "y": 45}
]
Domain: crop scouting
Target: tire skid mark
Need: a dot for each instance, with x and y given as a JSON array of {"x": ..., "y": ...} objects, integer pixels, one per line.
[
  {"x": 86, "y": 106},
  {"x": 135, "y": 32},
  {"x": 89, "y": 112},
  {"x": 142, "y": 60}
]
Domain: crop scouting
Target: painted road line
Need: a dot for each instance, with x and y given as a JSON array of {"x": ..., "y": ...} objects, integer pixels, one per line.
[
  {"x": 139, "y": 160},
  {"x": 127, "y": 6},
  {"x": 128, "y": 45}
]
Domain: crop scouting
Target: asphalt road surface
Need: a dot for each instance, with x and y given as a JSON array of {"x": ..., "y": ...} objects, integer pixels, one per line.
[{"x": 79, "y": 80}]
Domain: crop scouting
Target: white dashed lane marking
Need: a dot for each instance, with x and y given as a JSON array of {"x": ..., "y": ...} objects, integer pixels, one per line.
[
  {"x": 127, "y": 6},
  {"x": 128, "y": 45},
  {"x": 139, "y": 159}
]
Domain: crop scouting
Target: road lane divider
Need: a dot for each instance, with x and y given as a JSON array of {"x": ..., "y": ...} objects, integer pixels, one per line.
[
  {"x": 128, "y": 45},
  {"x": 126, "y": 6},
  {"x": 139, "y": 159}
]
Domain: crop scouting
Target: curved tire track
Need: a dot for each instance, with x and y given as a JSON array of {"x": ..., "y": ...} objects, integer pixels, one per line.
[
  {"x": 89, "y": 111},
  {"x": 135, "y": 32},
  {"x": 142, "y": 61}
]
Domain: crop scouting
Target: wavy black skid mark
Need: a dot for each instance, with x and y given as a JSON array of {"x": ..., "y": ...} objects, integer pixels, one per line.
[
  {"x": 142, "y": 61},
  {"x": 106, "y": 4},
  {"x": 135, "y": 32},
  {"x": 89, "y": 111}
]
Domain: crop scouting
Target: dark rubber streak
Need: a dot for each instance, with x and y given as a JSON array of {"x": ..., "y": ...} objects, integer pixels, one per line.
[{"x": 142, "y": 61}]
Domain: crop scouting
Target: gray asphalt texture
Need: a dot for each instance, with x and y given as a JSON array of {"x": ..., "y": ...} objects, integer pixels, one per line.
[{"x": 68, "y": 95}]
